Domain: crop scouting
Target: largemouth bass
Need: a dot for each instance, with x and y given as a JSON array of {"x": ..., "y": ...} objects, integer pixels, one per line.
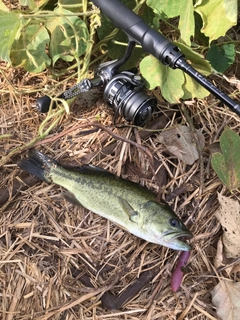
[{"x": 129, "y": 205}]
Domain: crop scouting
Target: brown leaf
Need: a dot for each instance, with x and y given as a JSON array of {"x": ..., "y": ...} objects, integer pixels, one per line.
[
  {"x": 229, "y": 216},
  {"x": 233, "y": 81},
  {"x": 180, "y": 142},
  {"x": 221, "y": 260},
  {"x": 226, "y": 299},
  {"x": 218, "y": 259},
  {"x": 236, "y": 268}
]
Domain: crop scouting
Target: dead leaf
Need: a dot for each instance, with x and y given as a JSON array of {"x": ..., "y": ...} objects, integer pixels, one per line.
[
  {"x": 233, "y": 81},
  {"x": 226, "y": 299},
  {"x": 180, "y": 142},
  {"x": 221, "y": 260},
  {"x": 226, "y": 163},
  {"x": 236, "y": 268},
  {"x": 229, "y": 216},
  {"x": 218, "y": 259}
]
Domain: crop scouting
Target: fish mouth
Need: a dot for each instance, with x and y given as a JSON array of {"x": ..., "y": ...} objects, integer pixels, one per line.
[{"x": 177, "y": 240}]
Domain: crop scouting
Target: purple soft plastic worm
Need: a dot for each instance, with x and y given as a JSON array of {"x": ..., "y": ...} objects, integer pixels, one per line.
[{"x": 177, "y": 275}]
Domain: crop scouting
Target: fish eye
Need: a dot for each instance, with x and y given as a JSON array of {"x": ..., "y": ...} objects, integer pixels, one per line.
[{"x": 174, "y": 222}]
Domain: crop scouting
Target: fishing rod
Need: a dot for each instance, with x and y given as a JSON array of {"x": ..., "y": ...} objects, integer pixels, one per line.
[
  {"x": 124, "y": 91},
  {"x": 156, "y": 44}
]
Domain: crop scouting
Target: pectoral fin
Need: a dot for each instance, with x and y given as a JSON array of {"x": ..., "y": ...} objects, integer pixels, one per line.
[
  {"x": 128, "y": 209},
  {"x": 71, "y": 198}
]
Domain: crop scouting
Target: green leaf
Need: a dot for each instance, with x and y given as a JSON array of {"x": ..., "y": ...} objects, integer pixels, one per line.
[
  {"x": 69, "y": 36},
  {"x": 227, "y": 164},
  {"x": 106, "y": 27},
  {"x": 192, "y": 89},
  {"x": 174, "y": 8},
  {"x": 231, "y": 9},
  {"x": 175, "y": 84},
  {"x": 196, "y": 60},
  {"x": 3, "y": 7},
  {"x": 199, "y": 37},
  {"x": 48, "y": 5},
  {"x": 28, "y": 3},
  {"x": 169, "y": 80},
  {"x": 170, "y": 8},
  {"x": 72, "y": 5},
  {"x": 9, "y": 25},
  {"x": 29, "y": 51},
  {"x": 218, "y": 16},
  {"x": 221, "y": 57},
  {"x": 186, "y": 22}
]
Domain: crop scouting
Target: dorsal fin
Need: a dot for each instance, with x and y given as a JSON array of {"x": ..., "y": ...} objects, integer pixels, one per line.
[
  {"x": 88, "y": 168},
  {"x": 91, "y": 167}
]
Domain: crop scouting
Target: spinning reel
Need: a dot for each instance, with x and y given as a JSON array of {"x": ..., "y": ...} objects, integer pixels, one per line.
[{"x": 123, "y": 91}]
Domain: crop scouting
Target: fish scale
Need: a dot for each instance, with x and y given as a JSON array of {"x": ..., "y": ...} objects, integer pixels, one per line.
[{"x": 129, "y": 205}]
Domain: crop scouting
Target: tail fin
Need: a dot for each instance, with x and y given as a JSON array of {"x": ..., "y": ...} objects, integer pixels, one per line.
[{"x": 38, "y": 164}]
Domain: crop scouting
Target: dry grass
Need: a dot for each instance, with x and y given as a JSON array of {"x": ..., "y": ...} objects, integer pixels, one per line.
[{"x": 59, "y": 261}]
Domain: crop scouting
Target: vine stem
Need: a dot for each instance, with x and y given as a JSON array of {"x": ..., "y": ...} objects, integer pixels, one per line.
[{"x": 45, "y": 13}]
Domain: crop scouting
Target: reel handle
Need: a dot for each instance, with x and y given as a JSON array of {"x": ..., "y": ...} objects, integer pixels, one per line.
[{"x": 43, "y": 104}]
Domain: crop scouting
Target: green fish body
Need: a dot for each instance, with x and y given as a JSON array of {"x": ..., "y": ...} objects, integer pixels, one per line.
[{"x": 123, "y": 202}]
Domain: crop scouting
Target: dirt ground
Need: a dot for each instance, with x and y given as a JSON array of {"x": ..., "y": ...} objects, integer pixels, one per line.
[{"x": 59, "y": 261}]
